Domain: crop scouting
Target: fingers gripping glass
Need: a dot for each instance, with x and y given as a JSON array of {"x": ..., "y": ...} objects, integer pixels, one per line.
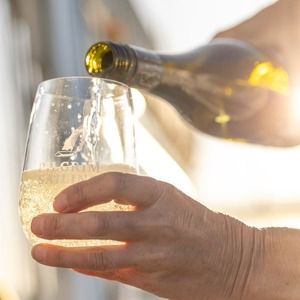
[{"x": 80, "y": 127}]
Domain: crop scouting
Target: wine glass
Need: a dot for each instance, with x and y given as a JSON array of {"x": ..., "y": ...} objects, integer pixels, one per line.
[{"x": 80, "y": 127}]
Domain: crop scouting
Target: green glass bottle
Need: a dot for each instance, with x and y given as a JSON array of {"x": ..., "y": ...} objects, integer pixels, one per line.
[{"x": 226, "y": 88}]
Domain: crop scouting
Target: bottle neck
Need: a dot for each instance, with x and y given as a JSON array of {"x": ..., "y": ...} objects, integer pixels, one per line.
[{"x": 134, "y": 66}]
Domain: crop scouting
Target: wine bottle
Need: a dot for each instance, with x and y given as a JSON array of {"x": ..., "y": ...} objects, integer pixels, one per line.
[{"x": 226, "y": 88}]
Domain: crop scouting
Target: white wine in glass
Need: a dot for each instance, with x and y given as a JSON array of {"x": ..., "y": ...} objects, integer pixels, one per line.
[{"x": 80, "y": 127}]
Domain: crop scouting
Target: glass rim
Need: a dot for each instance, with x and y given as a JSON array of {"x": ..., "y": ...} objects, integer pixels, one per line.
[{"x": 115, "y": 82}]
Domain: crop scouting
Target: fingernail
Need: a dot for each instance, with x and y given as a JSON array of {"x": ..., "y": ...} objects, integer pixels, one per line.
[
  {"x": 37, "y": 253},
  {"x": 60, "y": 203},
  {"x": 36, "y": 226}
]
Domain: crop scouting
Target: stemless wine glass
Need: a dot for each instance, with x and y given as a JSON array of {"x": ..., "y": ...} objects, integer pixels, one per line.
[{"x": 80, "y": 127}]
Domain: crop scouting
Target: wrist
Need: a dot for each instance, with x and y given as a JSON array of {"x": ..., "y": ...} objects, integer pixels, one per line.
[
  {"x": 240, "y": 257},
  {"x": 260, "y": 264},
  {"x": 275, "y": 269}
]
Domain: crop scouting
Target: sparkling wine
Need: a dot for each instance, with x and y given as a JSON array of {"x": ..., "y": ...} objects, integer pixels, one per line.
[{"x": 39, "y": 187}]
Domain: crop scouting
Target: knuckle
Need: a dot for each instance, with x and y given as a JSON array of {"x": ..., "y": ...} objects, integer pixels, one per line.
[
  {"x": 165, "y": 191},
  {"x": 97, "y": 225},
  {"x": 60, "y": 259},
  {"x": 117, "y": 182},
  {"x": 169, "y": 188},
  {"x": 52, "y": 225},
  {"x": 98, "y": 261},
  {"x": 78, "y": 193}
]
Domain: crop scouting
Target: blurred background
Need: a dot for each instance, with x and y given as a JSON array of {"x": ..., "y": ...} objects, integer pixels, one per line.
[{"x": 42, "y": 39}]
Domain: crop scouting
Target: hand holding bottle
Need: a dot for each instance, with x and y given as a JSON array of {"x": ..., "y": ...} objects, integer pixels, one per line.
[
  {"x": 237, "y": 87},
  {"x": 275, "y": 31}
]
